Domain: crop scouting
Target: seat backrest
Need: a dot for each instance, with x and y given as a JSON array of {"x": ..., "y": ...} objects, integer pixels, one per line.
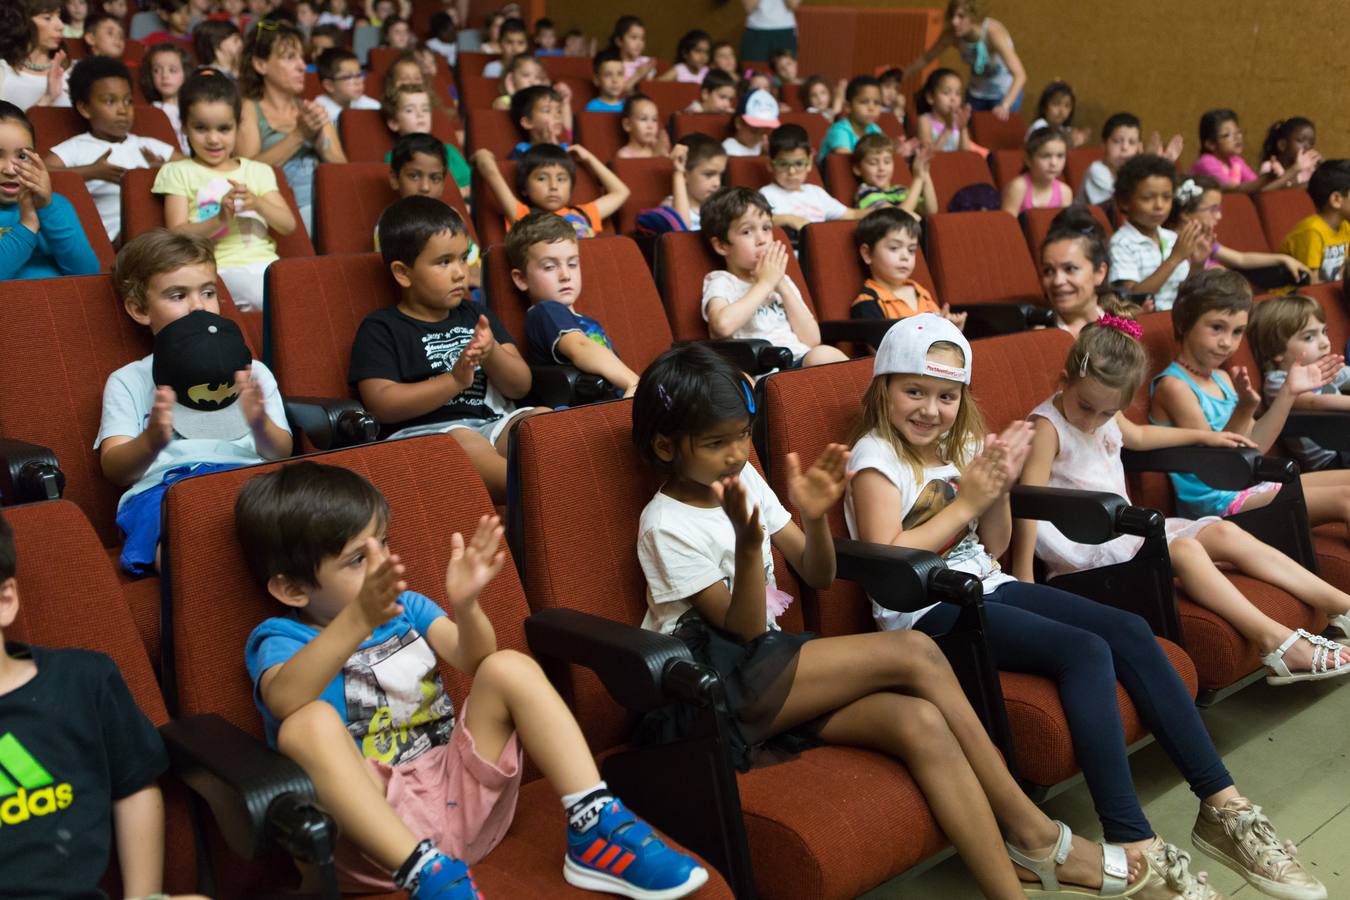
[
  {"x": 442, "y": 87},
  {"x": 54, "y": 124},
  {"x": 601, "y": 133},
  {"x": 1331, "y": 296},
  {"x": 1012, "y": 373},
  {"x": 569, "y": 67},
  {"x": 1075, "y": 168},
  {"x": 143, "y": 210},
  {"x": 1152, "y": 489},
  {"x": 1280, "y": 211},
  {"x": 492, "y": 129},
  {"x": 73, "y": 188},
  {"x": 616, "y": 290},
  {"x": 955, "y": 170},
  {"x": 313, "y": 86},
  {"x": 348, "y": 200},
  {"x": 381, "y": 58},
  {"x": 670, "y": 97},
  {"x": 834, "y": 268},
  {"x": 649, "y": 183},
  {"x": 805, "y": 410},
  {"x": 60, "y": 339},
  {"x": 843, "y": 184},
  {"x": 472, "y": 62},
  {"x": 366, "y": 138},
  {"x": 490, "y": 219},
  {"x": 1007, "y": 165},
  {"x": 593, "y": 569},
  {"x": 216, "y": 604},
  {"x": 314, "y": 307},
  {"x": 683, "y": 259},
  {"x": 1240, "y": 228},
  {"x": 58, "y": 549},
  {"x": 1036, "y": 223},
  {"x": 715, "y": 125},
  {"x": 988, "y": 130},
  {"x": 981, "y": 257},
  {"x": 753, "y": 172},
  {"x": 814, "y": 123},
  {"x": 478, "y": 92}
]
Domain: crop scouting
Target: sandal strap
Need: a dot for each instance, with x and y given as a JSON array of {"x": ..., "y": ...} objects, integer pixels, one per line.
[
  {"x": 1044, "y": 867},
  {"x": 1115, "y": 870}
]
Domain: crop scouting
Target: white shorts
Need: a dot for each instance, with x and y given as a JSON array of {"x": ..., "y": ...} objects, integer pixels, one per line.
[
  {"x": 492, "y": 429},
  {"x": 245, "y": 284}
]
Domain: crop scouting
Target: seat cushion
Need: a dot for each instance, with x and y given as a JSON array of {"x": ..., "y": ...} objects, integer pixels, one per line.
[
  {"x": 806, "y": 838},
  {"x": 1041, "y": 732},
  {"x": 143, "y": 597}
]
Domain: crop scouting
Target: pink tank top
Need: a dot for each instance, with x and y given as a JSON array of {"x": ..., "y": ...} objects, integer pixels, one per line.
[{"x": 1056, "y": 195}]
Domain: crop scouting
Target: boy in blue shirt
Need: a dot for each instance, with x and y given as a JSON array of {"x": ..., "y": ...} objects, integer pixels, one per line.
[
  {"x": 609, "y": 82},
  {"x": 348, "y": 686},
  {"x": 546, "y": 264}
]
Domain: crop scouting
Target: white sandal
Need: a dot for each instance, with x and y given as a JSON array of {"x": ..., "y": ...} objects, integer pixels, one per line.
[
  {"x": 1341, "y": 623},
  {"x": 1115, "y": 870},
  {"x": 1330, "y": 660}
]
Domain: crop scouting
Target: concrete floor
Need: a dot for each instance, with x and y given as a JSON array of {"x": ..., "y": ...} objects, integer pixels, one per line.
[{"x": 1288, "y": 748}]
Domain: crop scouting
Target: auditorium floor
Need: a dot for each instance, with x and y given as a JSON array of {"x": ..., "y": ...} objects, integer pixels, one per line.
[{"x": 1287, "y": 747}]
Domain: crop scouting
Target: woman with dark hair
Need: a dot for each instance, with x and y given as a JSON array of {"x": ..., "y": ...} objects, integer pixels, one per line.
[{"x": 32, "y": 70}]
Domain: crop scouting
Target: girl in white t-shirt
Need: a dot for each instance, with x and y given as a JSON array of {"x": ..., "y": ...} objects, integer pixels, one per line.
[
  {"x": 926, "y": 476},
  {"x": 705, "y": 544}
]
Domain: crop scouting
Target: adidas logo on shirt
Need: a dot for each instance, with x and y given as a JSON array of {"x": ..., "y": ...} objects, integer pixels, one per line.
[{"x": 27, "y": 790}]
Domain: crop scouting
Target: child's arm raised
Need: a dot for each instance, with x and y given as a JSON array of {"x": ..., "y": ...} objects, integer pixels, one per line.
[
  {"x": 742, "y": 609},
  {"x": 1191, "y": 246},
  {"x": 395, "y": 401},
  {"x": 502, "y": 363},
  {"x": 270, "y": 439},
  {"x": 486, "y": 164},
  {"x": 1157, "y": 437},
  {"x": 877, "y": 509},
  {"x": 1035, "y": 473},
  {"x": 124, "y": 459},
  {"x": 726, "y": 316},
  {"x": 810, "y": 549},
  {"x": 1299, "y": 381},
  {"x": 302, "y": 678},
  {"x": 1007, "y": 453},
  {"x": 138, "y": 826},
  {"x": 679, "y": 184},
  {"x": 616, "y": 192},
  {"x": 470, "y": 638}
]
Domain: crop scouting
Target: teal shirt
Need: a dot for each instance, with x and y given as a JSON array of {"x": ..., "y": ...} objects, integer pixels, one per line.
[
  {"x": 841, "y": 135},
  {"x": 59, "y": 247}
]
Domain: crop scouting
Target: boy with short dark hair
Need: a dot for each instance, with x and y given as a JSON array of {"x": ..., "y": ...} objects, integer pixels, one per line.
[
  {"x": 609, "y": 82},
  {"x": 888, "y": 242},
  {"x": 546, "y": 264},
  {"x": 862, "y": 107},
  {"x": 1320, "y": 241},
  {"x": 874, "y": 167},
  {"x": 100, "y": 91},
  {"x": 198, "y": 403},
  {"x": 437, "y": 362},
  {"x": 1122, "y": 141},
  {"x": 537, "y": 114},
  {"x": 717, "y": 94},
  {"x": 754, "y": 297},
  {"x": 546, "y": 179},
  {"x": 85, "y": 759},
  {"x": 417, "y": 168},
  {"x": 546, "y": 38},
  {"x": 105, "y": 35},
  {"x": 418, "y": 794},
  {"x": 408, "y": 110},
  {"x": 343, "y": 82},
  {"x": 756, "y": 116},
  {"x": 514, "y": 39},
  {"x": 795, "y": 202},
  {"x": 700, "y": 165}
]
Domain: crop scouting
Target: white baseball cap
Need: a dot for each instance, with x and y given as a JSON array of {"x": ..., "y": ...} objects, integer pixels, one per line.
[
  {"x": 904, "y": 349},
  {"x": 759, "y": 109}
]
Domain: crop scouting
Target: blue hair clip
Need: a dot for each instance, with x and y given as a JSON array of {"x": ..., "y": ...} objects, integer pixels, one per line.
[
  {"x": 664, "y": 397},
  {"x": 749, "y": 397}
]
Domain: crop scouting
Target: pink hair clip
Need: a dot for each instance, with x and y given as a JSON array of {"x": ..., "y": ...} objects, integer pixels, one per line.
[{"x": 1122, "y": 324}]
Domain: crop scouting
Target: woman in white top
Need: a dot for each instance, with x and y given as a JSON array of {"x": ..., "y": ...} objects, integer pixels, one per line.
[
  {"x": 32, "y": 70},
  {"x": 769, "y": 25}
]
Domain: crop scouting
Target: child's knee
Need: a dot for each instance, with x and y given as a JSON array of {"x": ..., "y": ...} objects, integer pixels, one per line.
[
  {"x": 919, "y": 725},
  {"x": 312, "y": 723},
  {"x": 508, "y": 667},
  {"x": 1187, "y": 550},
  {"x": 822, "y": 354},
  {"x": 916, "y": 649}
]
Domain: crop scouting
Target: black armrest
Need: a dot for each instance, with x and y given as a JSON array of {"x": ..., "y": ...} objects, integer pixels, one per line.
[
  {"x": 903, "y": 579},
  {"x": 990, "y": 319},
  {"x": 1269, "y": 278},
  {"x": 558, "y": 386},
  {"x": 1088, "y": 517},
  {"x": 256, "y": 795},
  {"x": 858, "y": 331},
  {"x": 753, "y": 356},
  {"x": 331, "y": 423},
  {"x": 641, "y": 669},
  {"x": 28, "y": 473},
  {"x": 1129, "y": 295},
  {"x": 1327, "y": 429},
  {"x": 1226, "y": 468}
]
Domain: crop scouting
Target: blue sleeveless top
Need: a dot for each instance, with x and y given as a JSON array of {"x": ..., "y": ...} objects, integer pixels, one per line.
[
  {"x": 990, "y": 77},
  {"x": 1196, "y": 499}
]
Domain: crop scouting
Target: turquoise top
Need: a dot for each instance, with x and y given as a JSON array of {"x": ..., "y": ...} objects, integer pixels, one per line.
[
  {"x": 990, "y": 76},
  {"x": 1195, "y": 499},
  {"x": 841, "y": 134}
]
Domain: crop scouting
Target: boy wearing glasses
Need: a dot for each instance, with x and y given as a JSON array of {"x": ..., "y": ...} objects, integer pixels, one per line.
[
  {"x": 794, "y": 202},
  {"x": 343, "y": 83}
]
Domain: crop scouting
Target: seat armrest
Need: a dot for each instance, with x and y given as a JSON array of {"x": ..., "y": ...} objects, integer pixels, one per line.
[
  {"x": 28, "y": 473},
  {"x": 857, "y": 331},
  {"x": 753, "y": 356},
  {"x": 1226, "y": 468},
  {"x": 991, "y": 319},
  {"x": 640, "y": 669},
  {"x": 1327, "y": 429},
  {"x": 331, "y": 423},
  {"x": 1088, "y": 517},
  {"x": 1270, "y": 278},
  {"x": 901, "y": 578},
  {"x": 256, "y": 795},
  {"x": 558, "y": 386}
]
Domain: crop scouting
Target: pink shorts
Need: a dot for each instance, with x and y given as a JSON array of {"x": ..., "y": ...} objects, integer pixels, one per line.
[
  {"x": 449, "y": 794},
  {"x": 1264, "y": 487}
]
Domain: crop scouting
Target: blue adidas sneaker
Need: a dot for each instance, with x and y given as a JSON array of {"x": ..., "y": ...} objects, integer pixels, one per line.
[
  {"x": 445, "y": 878},
  {"x": 621, "y": 854}
]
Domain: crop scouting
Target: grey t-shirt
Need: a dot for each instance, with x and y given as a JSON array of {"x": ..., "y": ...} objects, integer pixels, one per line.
[{"x": 1309, "y": 454}]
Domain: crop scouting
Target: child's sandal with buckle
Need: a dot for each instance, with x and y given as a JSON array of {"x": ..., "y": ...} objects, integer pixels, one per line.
[
  {"x": 1329, "y": 660},
  {"x": 1115, "y": 870}
]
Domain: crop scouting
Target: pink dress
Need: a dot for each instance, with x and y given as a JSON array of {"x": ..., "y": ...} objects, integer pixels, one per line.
[
  {"x": 1228, "y": 174},
  {"x": 1091, "y": 462},
  {"x": 1058, "y": 196}
]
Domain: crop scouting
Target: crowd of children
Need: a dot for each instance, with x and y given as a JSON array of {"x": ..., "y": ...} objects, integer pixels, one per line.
[{"x": 237, "y": 84}]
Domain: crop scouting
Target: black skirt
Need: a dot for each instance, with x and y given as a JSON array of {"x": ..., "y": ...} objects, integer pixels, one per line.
[{"x": 757, "y": 676}]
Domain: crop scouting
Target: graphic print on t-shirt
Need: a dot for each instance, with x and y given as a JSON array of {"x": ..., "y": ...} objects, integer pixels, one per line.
[
  {"x": 27, "y": 790},
  {"x": 933, "y": 499},
  {"x": 443, "y": 349},
  {"x": 1333, "y": 261},
  {"x": 396, "y": 707}
]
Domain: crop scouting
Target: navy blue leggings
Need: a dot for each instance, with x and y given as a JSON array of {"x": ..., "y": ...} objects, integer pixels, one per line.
[{"x": 1086, "y": 647}]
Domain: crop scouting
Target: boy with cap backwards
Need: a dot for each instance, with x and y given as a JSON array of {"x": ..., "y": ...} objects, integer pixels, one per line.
[
  {"x": 199, "y": 403},
  {"x": 756, "y": 116}
]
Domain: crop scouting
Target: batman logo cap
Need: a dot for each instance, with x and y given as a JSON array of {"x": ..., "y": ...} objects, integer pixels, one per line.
[{"x": 197, "y": 356}]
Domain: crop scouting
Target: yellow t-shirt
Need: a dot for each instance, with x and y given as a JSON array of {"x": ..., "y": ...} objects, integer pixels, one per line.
[
  {"x": 1313, "y": 243},
  {"x": 246, "y": 240}
]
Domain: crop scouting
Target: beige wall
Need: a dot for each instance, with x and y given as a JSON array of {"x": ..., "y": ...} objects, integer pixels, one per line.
[{"x": 1165, "y": 61}]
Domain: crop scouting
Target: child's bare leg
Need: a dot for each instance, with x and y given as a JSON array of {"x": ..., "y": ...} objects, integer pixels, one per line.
[
  {"x": 510, "y": 693},
  {"x": 490, "y": 464},
  {"x": 315, "y": 738},
  {"x": 914, "y": 731},
  {"x": 821, "y": 354},
  {"x": 1328, "y": 496},
  {"x": 1252, "y": 556}
]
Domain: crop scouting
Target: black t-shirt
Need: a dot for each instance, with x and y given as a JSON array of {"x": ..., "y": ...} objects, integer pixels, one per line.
[
  {"x": 72, "y": 741},
  {"x": 394, "y": 346}
]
